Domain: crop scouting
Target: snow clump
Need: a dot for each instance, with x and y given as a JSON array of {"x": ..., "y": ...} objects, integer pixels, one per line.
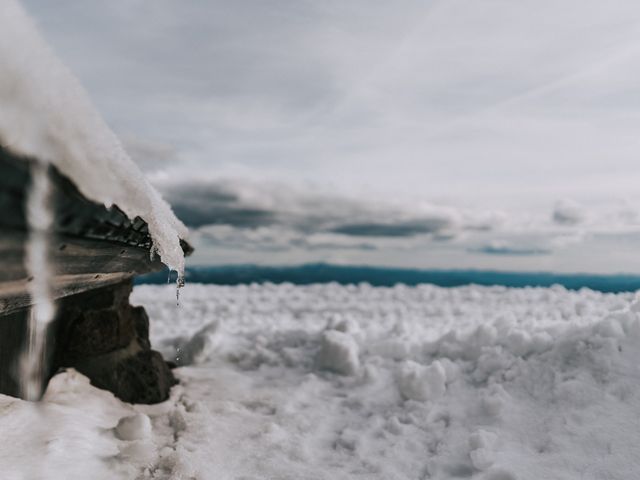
[
  {"x": 421, "y": 383},
  {"x": 338, "y": 352}
]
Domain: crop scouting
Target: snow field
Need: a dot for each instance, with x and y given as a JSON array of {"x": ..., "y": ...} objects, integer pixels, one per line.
[
  {"x": 335, "y": 382},
  {"x": 328, "y": 381}
]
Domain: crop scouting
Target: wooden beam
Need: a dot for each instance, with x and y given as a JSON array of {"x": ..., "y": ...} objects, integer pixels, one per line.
[{"x": 78, "y": 265}]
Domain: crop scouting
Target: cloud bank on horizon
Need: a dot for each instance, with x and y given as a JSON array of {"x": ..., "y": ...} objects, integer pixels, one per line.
[{"x": 452, "y": 134}]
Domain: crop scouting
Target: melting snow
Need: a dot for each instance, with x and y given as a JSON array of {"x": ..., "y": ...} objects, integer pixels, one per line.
[
  {"x": 46, "y": 114},
  {"x": 334, "y": 382}
]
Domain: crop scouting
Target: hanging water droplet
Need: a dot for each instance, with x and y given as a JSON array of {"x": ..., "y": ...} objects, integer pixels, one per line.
[{"x": 152, "y": 252}]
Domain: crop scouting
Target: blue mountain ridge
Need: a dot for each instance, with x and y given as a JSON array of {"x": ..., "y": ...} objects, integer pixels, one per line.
[{"x": 383, "y": 276}]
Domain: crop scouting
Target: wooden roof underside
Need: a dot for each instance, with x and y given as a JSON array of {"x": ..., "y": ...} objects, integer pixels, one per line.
[{"x": 91, "y": 245}]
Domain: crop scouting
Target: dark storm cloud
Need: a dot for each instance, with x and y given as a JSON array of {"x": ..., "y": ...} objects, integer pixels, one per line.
[
  {"x": 198, "y": 205},
  {"x": 219, "y": 215},
  {"x": 201, "y": 203},
  {"x": 400, "y": 229}
]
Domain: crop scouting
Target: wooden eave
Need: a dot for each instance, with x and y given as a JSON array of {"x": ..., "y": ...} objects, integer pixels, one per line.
[{"x": 91, "y": 246}]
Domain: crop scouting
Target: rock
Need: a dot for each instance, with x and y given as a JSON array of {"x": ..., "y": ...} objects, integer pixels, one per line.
[
  {"x": 103, "y": 337},
  {"x": 140, "y": 378},
  {"x": 141, "y": 326},
  {"x": 95, "y": 332}
]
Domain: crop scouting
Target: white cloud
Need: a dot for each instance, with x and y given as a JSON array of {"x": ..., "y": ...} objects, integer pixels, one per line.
[{"x": 471, "y": 100}]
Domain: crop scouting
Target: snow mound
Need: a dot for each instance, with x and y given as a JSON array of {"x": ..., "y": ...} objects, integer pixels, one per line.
[
  {"x": 69, "y": 435},
  {"x": 46, "y": 114}
]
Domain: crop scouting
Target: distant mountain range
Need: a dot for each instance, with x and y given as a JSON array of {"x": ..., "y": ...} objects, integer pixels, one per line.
[{"x": 382, "y": 276}]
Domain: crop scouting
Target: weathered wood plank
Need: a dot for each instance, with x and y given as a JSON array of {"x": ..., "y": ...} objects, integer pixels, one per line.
[{"x": 78, "y": 265}]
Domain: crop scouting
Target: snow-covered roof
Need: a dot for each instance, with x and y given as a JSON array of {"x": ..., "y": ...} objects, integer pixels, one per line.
[{"x": 46, "y": 114}]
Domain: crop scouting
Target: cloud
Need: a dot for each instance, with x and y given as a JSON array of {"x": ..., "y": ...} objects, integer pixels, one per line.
[
  {"x": 505, "y": 249},
  {"x": 199, "y": 203},
  {"x": 337, "y": 93},
  {"x": 568, "y": 212},
  {"x": 242, "y": 220},
  {"x": 397, "y": 229},
  {"x": 278, "y": 239},
  {"x": 245, "y": 204},
  {"x": 434, "y": 101},
  {"x": 267, "y": 216},
  {"x": 276, "y": 221}
]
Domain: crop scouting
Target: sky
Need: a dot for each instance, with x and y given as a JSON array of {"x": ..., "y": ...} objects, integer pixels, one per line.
[{"x": 433, "y": 134}]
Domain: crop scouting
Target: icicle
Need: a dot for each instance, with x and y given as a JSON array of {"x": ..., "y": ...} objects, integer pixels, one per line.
[
  {"x": 39, "y": 219},
  {"x": 179, "y": 284}
]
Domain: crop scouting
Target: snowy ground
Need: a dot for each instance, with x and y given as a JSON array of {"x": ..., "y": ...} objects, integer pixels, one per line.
[{"x": 332, "y": 382}]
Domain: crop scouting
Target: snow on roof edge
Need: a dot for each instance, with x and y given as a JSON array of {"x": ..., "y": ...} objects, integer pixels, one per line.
[{"x": 46, "y": 114}]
